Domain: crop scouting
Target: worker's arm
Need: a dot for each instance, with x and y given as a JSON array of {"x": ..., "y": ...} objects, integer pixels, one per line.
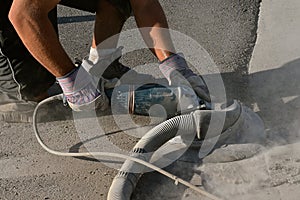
[
  {"x": 149, "y": 13},
  {"x": 30, "y": 19}
]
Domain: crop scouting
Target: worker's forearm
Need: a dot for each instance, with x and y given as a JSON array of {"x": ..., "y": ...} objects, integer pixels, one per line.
[
  {"x": 40, "y": 38},
  {"x": 149, "y": 13}
]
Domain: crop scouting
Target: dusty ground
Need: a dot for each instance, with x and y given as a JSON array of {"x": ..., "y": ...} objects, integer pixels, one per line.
[{"x": 227, "y": 30}]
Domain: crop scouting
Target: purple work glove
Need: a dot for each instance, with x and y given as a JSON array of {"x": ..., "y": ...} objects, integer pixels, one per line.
[
  {"x": 176, "y": 70},
  {"x": 82, "y": 92}
]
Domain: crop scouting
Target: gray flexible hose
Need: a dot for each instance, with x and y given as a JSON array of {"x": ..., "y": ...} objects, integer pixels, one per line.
[
  {"x": 124, "y": 183},
  {"x": 135, "y": 158}
]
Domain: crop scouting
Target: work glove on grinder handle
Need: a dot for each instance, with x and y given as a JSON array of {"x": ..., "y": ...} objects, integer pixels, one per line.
[
  {"x": 177, "y": 72},
  {"x": 82, "y": 91}
]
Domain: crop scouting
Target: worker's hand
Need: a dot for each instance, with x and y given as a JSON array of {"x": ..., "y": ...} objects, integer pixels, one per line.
[
  {"x": 176, "y": 70},
  {"x": 82, "y": 91}
]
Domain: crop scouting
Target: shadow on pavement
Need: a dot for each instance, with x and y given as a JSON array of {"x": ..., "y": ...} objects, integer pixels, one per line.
[
  {"x": 75, "y": 19},
  {"x": 274, "y": 94}
]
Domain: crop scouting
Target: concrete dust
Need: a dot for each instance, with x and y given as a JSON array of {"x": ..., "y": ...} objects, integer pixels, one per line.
[{"x": 272, "y": 169}]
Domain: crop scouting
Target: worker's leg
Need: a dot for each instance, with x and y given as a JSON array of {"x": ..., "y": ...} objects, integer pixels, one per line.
[
  {"x": 109, "y": 22},
  {"x": 110, "y": 18}
]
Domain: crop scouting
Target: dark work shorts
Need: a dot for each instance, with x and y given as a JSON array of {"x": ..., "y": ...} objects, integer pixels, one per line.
[
  {"x": 86, "y": 5},
  {"x": 91, "y": 5}
]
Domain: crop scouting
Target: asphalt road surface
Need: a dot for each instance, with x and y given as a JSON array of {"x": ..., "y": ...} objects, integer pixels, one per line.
[{"x": 226, "y": 29}]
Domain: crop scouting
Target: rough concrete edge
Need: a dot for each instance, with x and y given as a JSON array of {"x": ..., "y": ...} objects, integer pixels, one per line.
[{"x": 257, "y": 19}]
